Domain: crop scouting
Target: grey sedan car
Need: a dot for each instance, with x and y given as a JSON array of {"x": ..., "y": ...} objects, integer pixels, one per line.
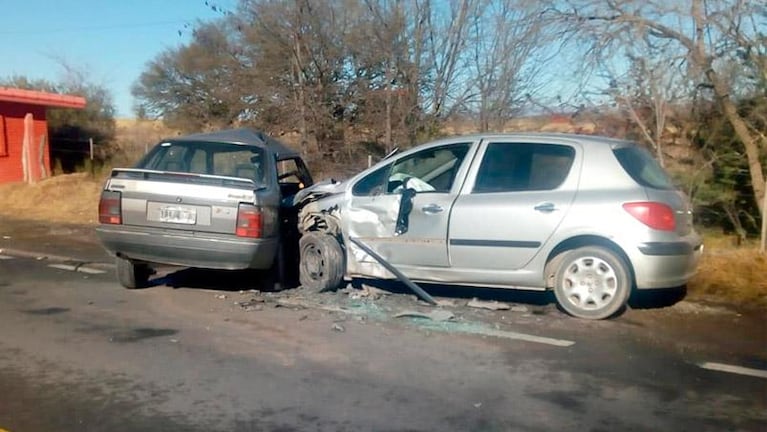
[{"x": 590, "y": 218}]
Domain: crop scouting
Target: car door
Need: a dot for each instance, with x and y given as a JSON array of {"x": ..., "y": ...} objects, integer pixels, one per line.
[
  {"x": 517, "y": 197},
  {"x": 374, "y": 208}
]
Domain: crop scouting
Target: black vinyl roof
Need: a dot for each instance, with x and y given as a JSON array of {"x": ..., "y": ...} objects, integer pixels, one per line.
[{"x": 244, "y": 136}]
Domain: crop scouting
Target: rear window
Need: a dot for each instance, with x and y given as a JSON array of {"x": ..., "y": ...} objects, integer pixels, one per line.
[
  {"x": 643, "y": 168},
  {"x": 220, "y": 159}
]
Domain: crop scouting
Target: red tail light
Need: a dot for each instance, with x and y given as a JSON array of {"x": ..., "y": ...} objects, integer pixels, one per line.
[
  {"x": 655, "y": 215},
  {"x": 110, "y": 208},
  {"x": 249, "y": 221}
]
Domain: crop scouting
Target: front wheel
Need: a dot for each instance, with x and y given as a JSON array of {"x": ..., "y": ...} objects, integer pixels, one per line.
[
  {"x": 592, "y": 283},
  {"x": 132, "y": 275},
  {"x": 322, "y": 262}
]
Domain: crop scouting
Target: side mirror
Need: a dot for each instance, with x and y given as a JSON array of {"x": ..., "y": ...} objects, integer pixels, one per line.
[{"x": 405, "y": 207}]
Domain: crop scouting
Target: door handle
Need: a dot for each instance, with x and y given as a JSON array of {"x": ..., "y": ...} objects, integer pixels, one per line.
[
  {"x": 432, "y": 209},
  {"x": 545, "y": 207}
]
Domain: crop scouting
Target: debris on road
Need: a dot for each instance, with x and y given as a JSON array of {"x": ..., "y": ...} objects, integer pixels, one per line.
[
  {"x": 491, "y": 305},
  {"x": 221, "y": 296},
  {"x": 338, "y": 327},
  {"x": 438, "y": 315}
]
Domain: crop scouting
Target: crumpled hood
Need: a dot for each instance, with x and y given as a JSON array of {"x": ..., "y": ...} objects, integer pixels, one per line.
[{"x": 319, "y": 190}]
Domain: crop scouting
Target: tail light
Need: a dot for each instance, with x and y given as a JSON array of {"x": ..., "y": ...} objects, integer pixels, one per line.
[
  {"x": 655, "y": 215},
  {"x": 110, "y": 208},
  {"x": 249, "y": 221}
]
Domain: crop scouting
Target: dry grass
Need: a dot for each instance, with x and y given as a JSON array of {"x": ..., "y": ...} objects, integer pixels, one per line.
[
  {"x": 734, "y": 274},
  {"x": 726, "y": 272},
  {"x": 71, "y": 198}
]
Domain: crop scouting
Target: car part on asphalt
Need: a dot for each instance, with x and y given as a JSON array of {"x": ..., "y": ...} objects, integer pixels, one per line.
[{"x": 401, "y": 276}]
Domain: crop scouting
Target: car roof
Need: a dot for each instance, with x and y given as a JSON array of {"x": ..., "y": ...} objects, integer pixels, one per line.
[
  {"x": 242, "y": 136},
  {"x": 538, "y": 136}
]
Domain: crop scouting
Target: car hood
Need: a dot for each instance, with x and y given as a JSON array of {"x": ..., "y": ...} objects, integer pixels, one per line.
[{"x": 318, "y": 190}]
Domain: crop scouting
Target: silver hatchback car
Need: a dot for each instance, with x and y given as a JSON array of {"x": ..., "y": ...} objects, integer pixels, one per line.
[{"x": 591, "y": 218}]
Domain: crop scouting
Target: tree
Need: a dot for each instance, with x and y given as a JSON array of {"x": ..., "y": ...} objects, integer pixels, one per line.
[
  {"x": 716, "y": 38},
  {"x": 196, "y": 86},
  {"x": 506, "y": 55}
]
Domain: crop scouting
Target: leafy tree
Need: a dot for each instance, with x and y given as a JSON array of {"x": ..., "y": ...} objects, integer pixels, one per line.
[{"x": 195, "y": 87}]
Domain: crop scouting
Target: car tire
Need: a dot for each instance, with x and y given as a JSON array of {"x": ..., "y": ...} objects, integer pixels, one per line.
[
  {"x": 132, "y": 275},
  {"x": 592, "y": 283},
  {"x": 322, "y": 262}
]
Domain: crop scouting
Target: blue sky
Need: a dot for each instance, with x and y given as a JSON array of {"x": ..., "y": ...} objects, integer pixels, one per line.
[{"x": 110, "y": 39}]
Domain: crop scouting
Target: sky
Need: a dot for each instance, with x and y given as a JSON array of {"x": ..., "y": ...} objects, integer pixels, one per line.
[{"x": 111, "y": 40}]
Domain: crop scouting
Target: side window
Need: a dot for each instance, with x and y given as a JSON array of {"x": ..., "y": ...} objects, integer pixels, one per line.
[
  {"x": 373, "y": 183},
  {"x": 431, "y": 170},
  {"x": 515, "y": 167}
]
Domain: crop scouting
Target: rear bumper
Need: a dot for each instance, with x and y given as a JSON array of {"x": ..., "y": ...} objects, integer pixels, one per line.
[
  {"x": 666, "y": 264},
  {"x": 188, "y": 249}
]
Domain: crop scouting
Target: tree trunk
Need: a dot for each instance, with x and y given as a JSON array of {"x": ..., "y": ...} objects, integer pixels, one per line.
[{"x": 744, "y": 135}]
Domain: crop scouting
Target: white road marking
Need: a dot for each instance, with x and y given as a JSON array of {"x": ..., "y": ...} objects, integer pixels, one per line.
[
  {"x": 522, "y": 336},
  {"x": 67, "y": 267},
  {"x": 6, "y": 257},
  {"x": 88, "y": 270},
  {"x": 740, "y": 370}
]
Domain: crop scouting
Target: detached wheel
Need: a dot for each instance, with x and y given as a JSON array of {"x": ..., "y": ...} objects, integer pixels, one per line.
[
  {"x": 322, "y": 262},
  {"x": 592, "y": 283},
  {"x": 132, "y": 275}
]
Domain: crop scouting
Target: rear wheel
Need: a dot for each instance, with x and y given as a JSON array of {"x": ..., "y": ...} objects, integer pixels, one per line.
[
  {"x": 322, "y": 262},
  {"x": 132, "y": 275},
  {"x": 592, "y": 282}
]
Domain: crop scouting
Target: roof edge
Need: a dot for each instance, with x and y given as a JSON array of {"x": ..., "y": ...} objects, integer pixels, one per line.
[{"x": 34, "y": 97}]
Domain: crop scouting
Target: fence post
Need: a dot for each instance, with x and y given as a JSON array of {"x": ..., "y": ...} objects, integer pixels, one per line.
[{"x": 90, "y": 144}]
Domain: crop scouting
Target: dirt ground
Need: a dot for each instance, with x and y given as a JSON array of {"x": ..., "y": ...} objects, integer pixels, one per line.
[{"x": 726, "y": 274}]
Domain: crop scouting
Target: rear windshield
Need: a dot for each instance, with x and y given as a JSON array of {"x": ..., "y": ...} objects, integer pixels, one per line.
[
  {"x": 641, "y": 166},
  {"x": 219, "y": 159}
]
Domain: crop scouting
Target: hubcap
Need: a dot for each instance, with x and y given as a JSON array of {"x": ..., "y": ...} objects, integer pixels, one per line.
[
  {"x": 313, "y": 262},
  {"x": 590, "y": 283}
]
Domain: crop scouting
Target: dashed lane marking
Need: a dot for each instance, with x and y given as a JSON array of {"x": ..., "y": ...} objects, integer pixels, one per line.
[
  {"x": 5, "y": 257},
  {"x": 67, "y": 267},
  {"x": 88, "y": 270},
  {"x": 740, "y": 370}
]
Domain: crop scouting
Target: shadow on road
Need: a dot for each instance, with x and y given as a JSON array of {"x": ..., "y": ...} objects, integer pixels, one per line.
[
  {"x": 657, "y": 298},
  {"x": 221, "y": 280}
]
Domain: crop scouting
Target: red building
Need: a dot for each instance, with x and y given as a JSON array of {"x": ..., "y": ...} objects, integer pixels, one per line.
[{"x": 24, "y": 145}]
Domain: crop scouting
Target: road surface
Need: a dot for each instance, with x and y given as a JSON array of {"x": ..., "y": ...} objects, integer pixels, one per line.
[{"x": 201, "y": 351}]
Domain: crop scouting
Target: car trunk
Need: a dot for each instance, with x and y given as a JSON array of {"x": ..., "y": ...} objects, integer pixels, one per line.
[{"x": 181, "y": 201}]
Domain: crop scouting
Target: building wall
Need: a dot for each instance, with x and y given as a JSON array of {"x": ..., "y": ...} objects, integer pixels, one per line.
[{"x": 12, "y": 139}]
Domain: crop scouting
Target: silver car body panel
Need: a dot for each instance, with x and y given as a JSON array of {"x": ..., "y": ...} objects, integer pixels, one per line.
[{"x": 506, "y": 239}]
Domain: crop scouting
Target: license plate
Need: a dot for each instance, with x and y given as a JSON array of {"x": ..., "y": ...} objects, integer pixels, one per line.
[{"x": 178, "y": 215}]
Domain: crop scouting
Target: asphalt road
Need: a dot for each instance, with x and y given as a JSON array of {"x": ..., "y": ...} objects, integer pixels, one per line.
[{"x": 79, "y": 353}]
